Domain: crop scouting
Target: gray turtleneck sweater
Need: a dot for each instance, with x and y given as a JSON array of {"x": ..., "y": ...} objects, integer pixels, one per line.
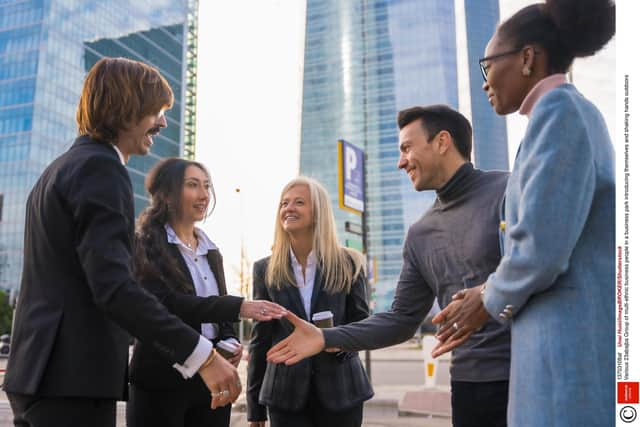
[{"x": 454, "y": 245}]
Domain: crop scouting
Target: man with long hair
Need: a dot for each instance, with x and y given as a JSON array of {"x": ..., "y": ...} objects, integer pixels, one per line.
[{"x": 78, "y": 299}]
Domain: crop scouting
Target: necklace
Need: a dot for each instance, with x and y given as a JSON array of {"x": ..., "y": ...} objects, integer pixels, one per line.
[{"x": 192, "y": 244}]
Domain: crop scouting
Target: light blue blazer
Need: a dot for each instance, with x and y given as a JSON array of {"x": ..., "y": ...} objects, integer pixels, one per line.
[{"x": 555, "y": 282}]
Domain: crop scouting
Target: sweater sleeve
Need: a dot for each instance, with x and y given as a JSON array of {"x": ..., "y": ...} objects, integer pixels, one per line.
[{"x": 412, "y": 301}]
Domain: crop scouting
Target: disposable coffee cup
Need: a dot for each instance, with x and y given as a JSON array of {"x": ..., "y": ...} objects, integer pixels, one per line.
[
  {"x": 323, "y": 319},
  {"x": 226, "y": 349}
]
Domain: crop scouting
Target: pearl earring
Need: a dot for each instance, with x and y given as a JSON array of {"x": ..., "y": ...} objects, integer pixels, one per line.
[{"x": 526, "y": 71}]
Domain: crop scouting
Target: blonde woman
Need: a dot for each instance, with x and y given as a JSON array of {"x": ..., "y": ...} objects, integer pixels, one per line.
[{"x": 308, "y": 272}]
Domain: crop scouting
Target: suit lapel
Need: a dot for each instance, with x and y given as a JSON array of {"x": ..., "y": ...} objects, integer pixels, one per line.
[
  {"x": 293, "y": 294},
  {"x": 183, "y": 267},
  {"x": 215, "y": 262}
]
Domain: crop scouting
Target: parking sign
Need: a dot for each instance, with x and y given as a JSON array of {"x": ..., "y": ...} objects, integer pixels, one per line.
[{"x": 350, "y": 177}]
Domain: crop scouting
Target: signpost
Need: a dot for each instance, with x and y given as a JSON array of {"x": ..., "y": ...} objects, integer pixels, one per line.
[
  {"x": 353, "y": 228},
  {"x": 351, "y": 197},
  {"x": 351, "y": 177}
]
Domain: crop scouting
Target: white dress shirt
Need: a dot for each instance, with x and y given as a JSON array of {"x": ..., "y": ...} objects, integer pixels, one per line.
[
  {"x": 305, "y": 281},
  {"x": 120, "y": 156},
  {"x": 196, "y": 259}
]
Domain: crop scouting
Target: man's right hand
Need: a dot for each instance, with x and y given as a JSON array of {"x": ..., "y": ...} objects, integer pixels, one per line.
[
  {"x": 221, "y": 377},
  {"x": 305, "y": 341}
]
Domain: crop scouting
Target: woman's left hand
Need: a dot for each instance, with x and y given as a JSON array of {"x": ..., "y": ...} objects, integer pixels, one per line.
[
  {"x": 261, "y": 310},
  {"x": 235, "y": 359}
]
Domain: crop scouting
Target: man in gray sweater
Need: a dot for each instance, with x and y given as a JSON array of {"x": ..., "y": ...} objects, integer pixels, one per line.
[{"x": 452, "y": 247}]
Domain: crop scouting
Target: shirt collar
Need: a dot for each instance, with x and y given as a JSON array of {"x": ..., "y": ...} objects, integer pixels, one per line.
[
  {"x": 543, "y": 86},
  {"x": 311, "y": 259},
  {"x": 204, "y": 243},
  {"x": 119, "y": 154}
]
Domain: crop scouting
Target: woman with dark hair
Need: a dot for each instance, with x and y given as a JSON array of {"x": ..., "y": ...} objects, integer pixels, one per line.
[
  {"x": 182, "y": 267},
  {"x": 555, "y": 283}
]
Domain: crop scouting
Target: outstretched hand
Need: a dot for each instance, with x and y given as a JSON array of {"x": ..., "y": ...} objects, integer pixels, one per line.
[
  {"x": 261, "y": 310},
  {"x": 459, "y": 320},
  {"x": 305, "y": 341}
]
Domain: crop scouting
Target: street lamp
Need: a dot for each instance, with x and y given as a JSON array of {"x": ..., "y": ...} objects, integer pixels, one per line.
[{"x": 244, "y": 264}]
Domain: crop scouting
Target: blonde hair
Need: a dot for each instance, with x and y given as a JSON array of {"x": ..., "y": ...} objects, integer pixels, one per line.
[{"x": 339, "y": 265}]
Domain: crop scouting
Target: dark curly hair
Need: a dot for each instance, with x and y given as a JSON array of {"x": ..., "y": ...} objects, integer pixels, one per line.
[
  {"x": 153, "y": 260},
  {"x": 565, "y": 29}
]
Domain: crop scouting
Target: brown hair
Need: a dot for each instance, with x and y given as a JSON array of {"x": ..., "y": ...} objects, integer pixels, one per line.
[
  {"x": 118, "y": 93},
  {"x": 153, "y": 259}
]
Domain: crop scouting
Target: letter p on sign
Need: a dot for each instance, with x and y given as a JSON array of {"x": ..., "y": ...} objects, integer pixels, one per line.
[{"x": 351, "y": 161}]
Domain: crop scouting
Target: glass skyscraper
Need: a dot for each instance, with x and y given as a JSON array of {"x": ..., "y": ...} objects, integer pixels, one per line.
[
  {"x": 46, "y": 48},
  {"x": 364, "y": 61},
  {"x": 489, "y": 129}
]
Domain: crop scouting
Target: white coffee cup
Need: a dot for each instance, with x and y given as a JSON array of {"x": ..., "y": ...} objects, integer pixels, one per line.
[{"x": 323, "y": 319}]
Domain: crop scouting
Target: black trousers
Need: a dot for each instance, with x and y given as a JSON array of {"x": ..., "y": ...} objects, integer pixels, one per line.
[
  {"x": 316, "y": 415},
  {"x": 32, "y": 411},
  {"x": 187, "y": 406},
  {"x": 479, "y": 404}
]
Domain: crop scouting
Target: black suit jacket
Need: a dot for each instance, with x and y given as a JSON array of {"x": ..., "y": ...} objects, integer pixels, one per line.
[
  {"x": 78, "y": 298},
  {"x": 151, "y": 371},
  {"x": 339, "y": 382}
]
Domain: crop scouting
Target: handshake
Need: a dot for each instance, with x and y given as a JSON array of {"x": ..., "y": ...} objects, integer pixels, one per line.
[{"x": 219, "y": 371}]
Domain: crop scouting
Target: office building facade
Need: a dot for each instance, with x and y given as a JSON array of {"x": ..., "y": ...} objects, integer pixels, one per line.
[{"x": 46, "y": 49}]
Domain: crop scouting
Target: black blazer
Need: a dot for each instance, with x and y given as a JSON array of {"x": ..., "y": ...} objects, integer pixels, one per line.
[
  {"x": 340, "y": 381},
  {"x": 148, "y": 369},
  {"x": 78, "y": 298}
]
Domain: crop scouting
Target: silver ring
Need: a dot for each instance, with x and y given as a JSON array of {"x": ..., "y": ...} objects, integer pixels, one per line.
[
  {"x": 263, "y": 311},
  {"x": 215, "y": 394},
  {"x": 224, "y": 393},
  {"x": 455, "y": 326}
]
